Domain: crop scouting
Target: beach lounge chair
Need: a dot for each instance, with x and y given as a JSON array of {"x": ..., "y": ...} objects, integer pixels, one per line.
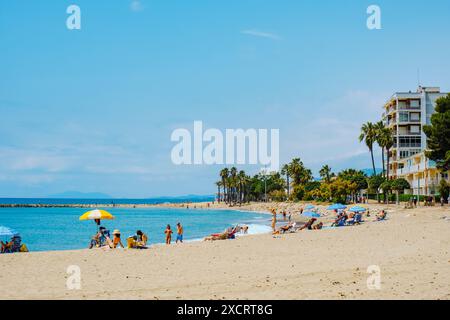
[{"x": 357, "y": 219}]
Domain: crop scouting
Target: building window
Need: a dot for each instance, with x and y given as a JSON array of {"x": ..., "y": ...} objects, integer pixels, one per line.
[
  {"x": 415, "y": 103},
  {"x": 414, "y": 129},
  {"x": 414, "y": 116},
  {"x": 404, "y": 116}
]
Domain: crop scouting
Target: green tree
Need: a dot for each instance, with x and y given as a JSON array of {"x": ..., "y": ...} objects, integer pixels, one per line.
[
  {"x": 385, "y": 140},
  {"x": 325, "y": 173},
  {"x": 299, "y": 173},
  {"x": 444, "y": 189},
  {"x": 224, "y": 173},
  {"x": 286, "y": 172},
  {"x": 438, "y": 134},
  {"x": 369, "y": 136},
  {"x": 374, "y": 182},
  {"x": 399, "y": 185}
]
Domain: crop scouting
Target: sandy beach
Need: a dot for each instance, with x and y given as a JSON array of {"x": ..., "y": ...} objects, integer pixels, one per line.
[{"x": 411, "y": 249}]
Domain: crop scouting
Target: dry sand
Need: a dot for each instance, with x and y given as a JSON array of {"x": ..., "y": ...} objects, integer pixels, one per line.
[{"x": 412, "y": 250}]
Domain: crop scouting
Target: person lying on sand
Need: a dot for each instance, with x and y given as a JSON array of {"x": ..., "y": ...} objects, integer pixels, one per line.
[
  {"x": 318, "y": 226},
  {"x": 284, "y": 229},
  {"x": 308, "y": 225}
]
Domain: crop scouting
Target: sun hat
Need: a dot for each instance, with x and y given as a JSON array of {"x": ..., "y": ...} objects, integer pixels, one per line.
[{"x": 116, "y": 231}]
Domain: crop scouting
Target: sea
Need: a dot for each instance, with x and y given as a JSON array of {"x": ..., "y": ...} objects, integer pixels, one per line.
[{"x": 52, "y": 229}]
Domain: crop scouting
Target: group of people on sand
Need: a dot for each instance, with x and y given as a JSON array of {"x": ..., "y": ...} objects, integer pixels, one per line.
[
  {"x": 13, "y": 246},
  {"x": 343, "y": 218},
  {"x": 102, "y": 239}
]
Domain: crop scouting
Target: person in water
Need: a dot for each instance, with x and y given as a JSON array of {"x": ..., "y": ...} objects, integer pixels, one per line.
[
  {"x": 179, "y": 233},
  {"x": 168, "y": 233},
  {"x": 116, "y": 240}
]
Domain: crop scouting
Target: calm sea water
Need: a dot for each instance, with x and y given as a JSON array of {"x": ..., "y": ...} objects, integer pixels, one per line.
[{"x": 59, "y": 228}]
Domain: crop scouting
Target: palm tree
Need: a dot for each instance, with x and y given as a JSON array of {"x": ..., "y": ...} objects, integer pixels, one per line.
[
  {"x": 233, "y": 184},
  {"x": 380, "y": 138},
  {"x": 241, "y": 182},
  {"x": 369, "y": 136},
  {"x": 299, "y": 173},
  {"x": 286, "y": 171},
  {"x": 386, "y": 141},
  {"x": 224, "y": 173},
  {"x": 219, "y": 185},
  {"x": 325, "y": 173}
]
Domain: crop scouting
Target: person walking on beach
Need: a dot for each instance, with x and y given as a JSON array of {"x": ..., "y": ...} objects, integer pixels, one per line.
[
  {"x": 179, "y": 233},
  {"x": 168, "y": 233},
  {"x": 415, "y": 201}
]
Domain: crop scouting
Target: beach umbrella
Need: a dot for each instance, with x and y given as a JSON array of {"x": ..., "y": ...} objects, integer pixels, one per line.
[
  {"x": 358, "y": 209},
  {"x": 97, "y": 215},
  {"x": 337, "y": 206},
  {"x": 7, "y": 232},
  {"x": 311, "y": 214}
]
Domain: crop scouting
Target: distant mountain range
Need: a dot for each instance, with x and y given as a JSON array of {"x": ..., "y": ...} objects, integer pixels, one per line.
[
  {"x": 99, "y": 195},
  {"x": 79, "y": 195}
]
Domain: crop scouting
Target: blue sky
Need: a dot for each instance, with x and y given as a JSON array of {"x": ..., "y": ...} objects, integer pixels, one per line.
[{"x": 93, "y": 109}]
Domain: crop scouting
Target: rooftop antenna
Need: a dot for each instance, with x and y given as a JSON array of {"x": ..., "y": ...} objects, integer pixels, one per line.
[{"x": 418, "y": 78}]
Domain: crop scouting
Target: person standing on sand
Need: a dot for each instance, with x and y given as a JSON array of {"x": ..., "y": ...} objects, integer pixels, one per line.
[
  {"x": 274, "y": 222},
  {"x": 168, "y": 233},
  {"x": 179, "y": 233}
]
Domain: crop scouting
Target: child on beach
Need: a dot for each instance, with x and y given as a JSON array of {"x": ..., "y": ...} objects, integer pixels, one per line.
[
  {"x": 168, "y": 233},
  {"x": 117, "y": 241},
  {"x": 179, "y": 233}
]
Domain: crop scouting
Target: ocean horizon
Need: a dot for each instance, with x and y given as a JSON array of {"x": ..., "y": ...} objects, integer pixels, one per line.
[{"x": 105, "y": 201}]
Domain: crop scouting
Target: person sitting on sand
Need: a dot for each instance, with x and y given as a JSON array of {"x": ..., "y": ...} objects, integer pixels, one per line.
[
  {"x": 168, "y": 233},
  {"x": 5, "y": 247},
  {"x": 381, "y": 216},
  {"x": 308, "y": 225},
  {"x": 179, "y": 233},
  {"x": 141, "y": 238},
  {"x": 340, "y": 221},
  {"x": 116, "y": 240}
]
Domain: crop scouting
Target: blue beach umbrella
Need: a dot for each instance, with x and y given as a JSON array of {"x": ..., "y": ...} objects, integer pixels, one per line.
[
  {"x": 311, "y": 214},
  {"x": 358, "y": 209},
  {"x": 7, "y": 232},
  {"x": 337, "y": 206}
]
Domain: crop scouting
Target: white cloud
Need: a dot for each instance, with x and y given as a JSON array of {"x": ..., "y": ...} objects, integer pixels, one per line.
[{"x": 261, "y": 34}]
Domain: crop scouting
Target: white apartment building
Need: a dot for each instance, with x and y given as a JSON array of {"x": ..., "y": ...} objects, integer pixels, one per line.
[{"x": 406, "y": 113}]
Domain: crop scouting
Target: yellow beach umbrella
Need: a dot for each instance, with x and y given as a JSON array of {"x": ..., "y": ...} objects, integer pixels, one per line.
[{"x": 97, "y": 215}]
